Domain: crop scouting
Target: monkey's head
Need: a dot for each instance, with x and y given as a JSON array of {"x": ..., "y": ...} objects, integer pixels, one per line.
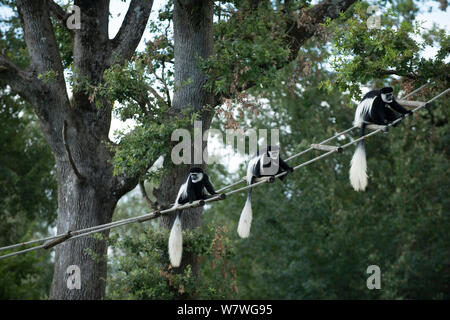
[
  {"x": 273, "y": 152},
  {"x": 387, "y": 94},
  {"x": 196, "y": 174}
]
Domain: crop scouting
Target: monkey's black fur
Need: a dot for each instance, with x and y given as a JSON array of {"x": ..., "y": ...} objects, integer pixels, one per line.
[
  {"x": 376, "y": 107},
  {"x": 381, "y": 112},
  {"x": 266, "y": 163},
  {"x": 263, "y": 165},
  {"x": 192, "y": 189}
]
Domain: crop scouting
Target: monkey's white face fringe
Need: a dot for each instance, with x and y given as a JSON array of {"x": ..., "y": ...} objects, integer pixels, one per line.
[
  {"x": 387, "y": 97},
  {"x": 358, "y": 169},
  {"x": 196, "y": 177},
  {"x": 245, "y": 221},
  {"x": 176, "y": 243}
]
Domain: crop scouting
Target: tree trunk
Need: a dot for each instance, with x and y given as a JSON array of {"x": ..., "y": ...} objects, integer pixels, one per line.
[
  {"x": 193, "y": 38},
  {"x": 81, "y": 205},
  {"x": 84, "y": 200},
  {"x": 87, "y": 189}
]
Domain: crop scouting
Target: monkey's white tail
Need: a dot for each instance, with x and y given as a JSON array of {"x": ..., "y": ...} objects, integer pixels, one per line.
[
  {"x": 358, "y": 168},
  {"x": 245, "y": 221},
  {"x": 176, "y": 243}
]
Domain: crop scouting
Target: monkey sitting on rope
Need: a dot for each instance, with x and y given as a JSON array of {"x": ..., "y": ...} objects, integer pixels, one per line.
[
  {"x": 377, "y": 107},
  {"x": 265, "y": 164},
  {"x": 192, "y": 190}
]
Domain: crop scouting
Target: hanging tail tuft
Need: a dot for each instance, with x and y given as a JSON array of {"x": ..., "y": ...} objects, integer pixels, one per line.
[
  {"x": 245, "y": 221},
  {"x": 176, "y": 243},
  {"x": 358, "y": 167}
]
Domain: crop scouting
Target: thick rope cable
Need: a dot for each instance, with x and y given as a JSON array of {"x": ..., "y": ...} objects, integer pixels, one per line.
[{"x": 95, "y": 229}]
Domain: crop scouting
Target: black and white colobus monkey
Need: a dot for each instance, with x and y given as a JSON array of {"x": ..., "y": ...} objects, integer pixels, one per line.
[
  {"x": 267, "y": 162},
  {"x": 191, "y": 190},
  {"x": 376, "y": 107}
]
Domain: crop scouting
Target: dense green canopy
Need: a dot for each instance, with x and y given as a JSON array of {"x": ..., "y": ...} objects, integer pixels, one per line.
[{"x": 312, "y": 236}]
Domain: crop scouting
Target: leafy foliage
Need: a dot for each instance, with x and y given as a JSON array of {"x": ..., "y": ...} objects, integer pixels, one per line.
[
  {"x": 361, "y": 54},
  {"x": 314, "y": 237},
  {"x": 141, "y": 270},
  {"x": 250, "y": 47},
  {"x": 28, "y": 199}
]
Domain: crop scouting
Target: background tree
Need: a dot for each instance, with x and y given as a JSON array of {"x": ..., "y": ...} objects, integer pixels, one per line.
[
  {"x": 88, "y": 189},
  {"x": 275, "y": 33},
  {"x": 313, "y": 237},
  {"x": 27, "y": 188},
  {"x": 28, "y": 199}
]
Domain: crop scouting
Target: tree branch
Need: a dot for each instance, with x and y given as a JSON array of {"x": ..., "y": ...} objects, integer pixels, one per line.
[
  {"x": 306, "y": 26},
  {"x": 58, "y": 13},
  {"x": 152, "y": 204},
  {"x": 19, "y": 80},
  {"x": 49, "y": 96},
  {"x": 158, "y": 96},
  {"x": 163, "y": 80},
  {"x": 124, "y": 184},
  {"x": 130, "y": 33},
  {"x": 40, "y": 38},
  {"x": 398, "y": 73}
]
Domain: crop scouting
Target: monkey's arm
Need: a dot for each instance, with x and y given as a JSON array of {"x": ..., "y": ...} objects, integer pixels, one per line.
[
  {"x": 285, "y": 166},
  {"x": 397, "y": 107},
  {"x": 208, "y": 185}
]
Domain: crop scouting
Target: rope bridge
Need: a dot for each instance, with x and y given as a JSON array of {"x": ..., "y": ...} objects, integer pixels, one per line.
[{"x": 50, "y": 242}]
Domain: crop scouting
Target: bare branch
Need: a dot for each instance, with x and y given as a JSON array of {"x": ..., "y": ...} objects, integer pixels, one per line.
[
  {"x": 40, "y": 38},
  {"x": 398, "y": 73},
  {"x": 304, "y": 28},
  {"x": 158, "y": 96},
  {"x": 58, "y": 13},
  {"x": 152, "y": 204},
  {"x": 163, "y": 80},
  {"x": 19, "y": 80},
  {"x": 130, "y": 33}
]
